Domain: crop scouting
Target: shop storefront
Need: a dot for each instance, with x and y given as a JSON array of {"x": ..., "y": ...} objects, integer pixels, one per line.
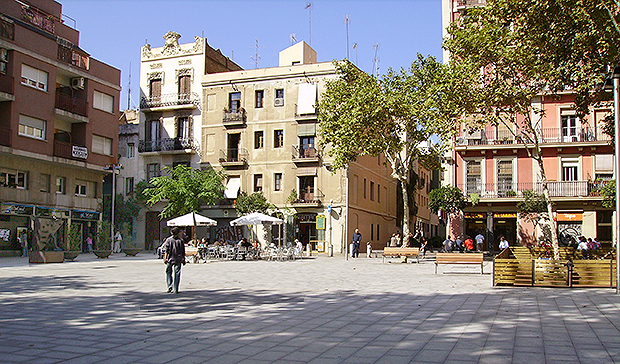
[
  {"x": 310, "y": 229},
  {"x": 14, "y": 220},
  {"x": 476, "y": 223},
  {"x": 504, "y": 224},
  {"x": 569, "y": 226},
  {"x": 87, "y": 222}
]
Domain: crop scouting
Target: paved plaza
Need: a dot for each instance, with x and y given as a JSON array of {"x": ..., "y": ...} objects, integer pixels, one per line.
[{"x": 322, "y": 310}]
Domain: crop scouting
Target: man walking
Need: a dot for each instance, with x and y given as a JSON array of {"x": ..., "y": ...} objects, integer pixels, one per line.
[
  {"x": 357, "y": 238},
  {"x": 479, "y": 242},
  {"x": 174, "y": 256}
]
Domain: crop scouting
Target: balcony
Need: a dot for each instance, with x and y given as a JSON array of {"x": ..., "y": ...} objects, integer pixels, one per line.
[
  {"x": 171, "y": 101},
  {"x": 169, "y": 145},
  {"x": 6, "y": 88},
  {"x": 69, "y": 151},
  {"x": 557, "y": 189},
  {"x": 545, "y": 136},
  {"x": 305, "y": 153},
  {"x": 234, "y": 118},
  {"x": 309, "y": 197},
  {"x": 233, "y": 157},
  {"x": 72, "y": 105},
  {"x": 68, "y": 55}
]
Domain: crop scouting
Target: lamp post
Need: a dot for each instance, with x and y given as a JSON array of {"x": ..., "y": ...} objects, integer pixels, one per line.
[
  {"x": 616, "y": 78},
  {"x": 113, "y": 168}
]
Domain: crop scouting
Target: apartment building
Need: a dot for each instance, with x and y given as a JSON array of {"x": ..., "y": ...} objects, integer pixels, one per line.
[
  {"x": 492, "y": 167},
  {"x": 171, "y": 108},
  {"x": 260, "y": 126},
  {"x": 58, "y": 126}
]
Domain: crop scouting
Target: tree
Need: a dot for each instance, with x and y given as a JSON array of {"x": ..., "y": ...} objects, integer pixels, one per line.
[
  {"x": 395, "y": 115},
  {"x": 185, "y": 189},
  {"x": 528, "y": 49},
  {"x": 255, "y": 202},
  {"x": 533, "y": 208},
  {"x": 449, "y": 199},
  {"x": 125, "y": 209}
]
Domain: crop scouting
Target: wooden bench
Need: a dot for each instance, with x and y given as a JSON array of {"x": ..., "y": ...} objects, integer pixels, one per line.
[
  {"x": 191, "y": 254},
  {"x": 460, "y": 258},
  {"x": 394, "y": 251}
]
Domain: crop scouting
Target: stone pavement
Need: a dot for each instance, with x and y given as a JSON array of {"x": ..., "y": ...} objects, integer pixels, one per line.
[{"x": 323, "y": 310}]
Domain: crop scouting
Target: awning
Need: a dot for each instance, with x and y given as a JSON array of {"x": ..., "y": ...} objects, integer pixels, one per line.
[
  {"x": 232, "y": 187},
  {"x": 306, "y": 99}
]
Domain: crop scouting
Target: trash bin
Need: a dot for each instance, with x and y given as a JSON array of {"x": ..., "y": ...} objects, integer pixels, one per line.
[{"x": 330, "y": 250}]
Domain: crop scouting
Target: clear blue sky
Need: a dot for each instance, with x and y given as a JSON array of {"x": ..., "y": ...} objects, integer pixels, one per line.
[{"x": 113, "y": 31}]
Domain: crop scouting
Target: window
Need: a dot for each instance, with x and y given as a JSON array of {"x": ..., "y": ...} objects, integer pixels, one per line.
[
  {"x": 31, "y": 127},
  {"x": 260, "y": 97},
  {"x": 152, "y": 170},
  {"x": 279, "y": 101},
  {"x": 307, "y": 147},
  {"x": 234, "y": 102},
  {"x": 155, "y": 89},
  {"x": 258, "y": 140},
  {"x": 474, "y": 176},
  {"x": 569, "y": 128},
  {"x": 183, "y": 127},
  {"x": 378, "y": 199},
  {"x": 103, "y": 102},
  {"x": 4, "y": 60},
  {"x": 34, "y": 78},
  {"x": 45, "y": 181},
  {"x": 185, "y": 87},
  {"x": 80, "y": 188},
  {"x": 102, "y": 145},
  {"x": 372, "y": 232},
  {"x": 128, "y": 185},
  {"x": 61, "y": 183},
  {"x": 153, "y": 129},
  {"x": 570, "y": 169},
  {"x": 372, "y": 191},
  {"x": 364, "y": 187},
  {"x": 278, "y": 138},
  {"x": 131, "y": 150},
  {"x": 277, "y": 178},
  {"x": 14, "y": 179},
  {"x": 504, "y": 176},
  {"x": 258, "y": 182}
]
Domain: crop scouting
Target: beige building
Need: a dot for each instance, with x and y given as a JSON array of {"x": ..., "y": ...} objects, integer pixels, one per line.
[{"x": 261, "y": 127}]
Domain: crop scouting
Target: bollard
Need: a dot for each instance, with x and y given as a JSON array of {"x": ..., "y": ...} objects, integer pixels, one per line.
[{"x": 330, "y": 250}]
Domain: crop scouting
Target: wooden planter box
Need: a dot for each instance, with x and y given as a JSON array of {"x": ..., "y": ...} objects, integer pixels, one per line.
[{"x": 46, "y": 257}]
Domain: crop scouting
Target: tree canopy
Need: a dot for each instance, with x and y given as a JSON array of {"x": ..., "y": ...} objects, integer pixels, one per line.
[
  {"x": 255, "y": 202},
  {"x": 446, "y": 198},
  {"x": 185, "y": 189},
  {"x": 395, "y": 115}
]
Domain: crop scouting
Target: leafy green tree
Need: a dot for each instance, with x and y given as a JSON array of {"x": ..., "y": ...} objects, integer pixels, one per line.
[
  {"x": 255, "y": 202},
  {"x": 533, "y": 208},
  {"x": 395, "y": 115},
  {"x": 449, "y": 199},
  {"x": 529, "y": 49},
  {"x": 609, "y": 195},
  {"x": 125, "y": 209},
  {"x": 185, "y": 189}
]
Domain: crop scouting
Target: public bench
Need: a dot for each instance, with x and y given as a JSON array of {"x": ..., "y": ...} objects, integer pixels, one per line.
[
  {"x": 460, "y": 258},
  {"x": 394, "y": 251},
  {"x": 191, "y": 254}
]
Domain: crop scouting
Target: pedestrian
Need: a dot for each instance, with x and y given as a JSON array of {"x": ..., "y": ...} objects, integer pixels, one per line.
[
  {"x": 89, "y": 243},
  {"x": 423, "y": 244},
  {"x": 117, "y": 242},
  {"x": 23, "y": 241},
  {"x": 356, "y": 239},
  {"x": 469, "y": 244},
  {"x": 459, "y": 243},
  {"x": 479, "y": 242},
  {"x": 448, "y": 244},
  {"x": 503, "y": 243},
  {"x": 583, "y": 246},
  {"x": 174, "y": 256},
  {"x": 368, "y": 250}
]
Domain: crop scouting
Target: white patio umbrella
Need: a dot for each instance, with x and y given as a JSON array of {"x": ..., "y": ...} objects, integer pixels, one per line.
[
  {"x": 191, "y": 219},
  {"x": 256, "y": 218}
]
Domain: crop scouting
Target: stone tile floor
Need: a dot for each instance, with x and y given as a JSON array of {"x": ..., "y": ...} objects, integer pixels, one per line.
[{"x": 323, "y": 310}]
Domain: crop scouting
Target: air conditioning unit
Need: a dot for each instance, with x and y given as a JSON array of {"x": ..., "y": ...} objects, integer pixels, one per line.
[
  {"x": 78, "y": 83},
  {"x": 461, "y": 141},
  {"x": 278, "y": 102}
]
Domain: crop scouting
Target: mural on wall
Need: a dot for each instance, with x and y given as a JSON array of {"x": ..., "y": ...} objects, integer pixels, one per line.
[{"x": 45, "y": 233}]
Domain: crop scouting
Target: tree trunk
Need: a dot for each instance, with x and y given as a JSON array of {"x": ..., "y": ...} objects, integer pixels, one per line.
[
  {"x": 404, "y": 186},
  {"x": 552, "y": 224}
]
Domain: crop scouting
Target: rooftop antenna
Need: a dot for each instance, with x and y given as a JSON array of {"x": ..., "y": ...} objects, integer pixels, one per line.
[
  {"x": 375, "y": 61},
  {"x": 129, "y": 89},
  {"x": 355, "y": 47},
  {"x": 346, "y": 22},
  {"x": 293, "y": 39},
  {"x": 309, "y": 7},
  {"x": 256, "y": 57}
]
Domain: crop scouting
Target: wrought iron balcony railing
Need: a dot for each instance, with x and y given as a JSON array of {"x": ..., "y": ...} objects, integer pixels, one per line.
[
  {"x": 233, "y": 155},
  {"x": 545, "y": 136},
  {"x": 170, "y": 100},
  {"x": 515, "y": 190},
  {"x": 71, "y": 104},
  {"x": 305, "y": 152},
  {"x": 167, "y": 144}
]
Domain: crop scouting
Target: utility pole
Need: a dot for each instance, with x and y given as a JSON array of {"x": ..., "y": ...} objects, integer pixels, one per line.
[
  {"x": 375, "y": 61},
  {"x": 256, "y": 56},
  {"x": 309, "y": 7},
  {"x": 346, "y": 22}
]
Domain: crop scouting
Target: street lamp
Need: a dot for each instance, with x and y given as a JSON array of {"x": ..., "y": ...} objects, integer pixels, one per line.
[
  {"x": 113, "y": 167},
  {"x": 616, "y": 78}
]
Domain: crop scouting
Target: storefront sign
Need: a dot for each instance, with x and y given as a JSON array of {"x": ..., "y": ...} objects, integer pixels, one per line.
[
  {"x": 569, "y": 216},
  {"x": 17, "y": 209},
  {"x": 51, "y": 213},
  {"x": 475, "y": 215},
  {"x": 320, "y": 222},
  {"x": 505, "y": 215},
  {"x": 306, "y": 217},
  {"x": 84, "y": 215}
]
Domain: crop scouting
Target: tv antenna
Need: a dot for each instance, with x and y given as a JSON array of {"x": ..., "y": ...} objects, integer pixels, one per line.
[
  {"x": 375, "y": 61},
  {"x": 346, "y": 22},
  {"x": 309, "y": 7},
  {"x": 256, "y": 57},
  {"x": 355, "y": 47},
  {"x": 129, "y": 89},
  {"x": 293, "y": 39}
]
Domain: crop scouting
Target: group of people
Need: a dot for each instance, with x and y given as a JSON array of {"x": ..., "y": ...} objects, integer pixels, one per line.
[
  {"x": 585, "y": 245},
  {"x": 412, "y": 241},
  {"x": 466, "y": 243}
]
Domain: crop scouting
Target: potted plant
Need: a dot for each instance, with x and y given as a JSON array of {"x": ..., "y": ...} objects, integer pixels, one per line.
[
  {"x": 104, "y": 241},
  {"x": 130, "y": 247},
  {"x": 74, "y": 242}
]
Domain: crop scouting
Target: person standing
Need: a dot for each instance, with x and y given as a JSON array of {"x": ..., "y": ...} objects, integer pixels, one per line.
[
  {"x": 174, "y": 256},
  {"x": 117, "y": 242},
  {"x": 89, "y": 243},
  {"x": 479, "y": 242},
  {"x": 23, "y": 241},
  {"x": 503, "y": 243},
  {"x": 356, "y": 239}
]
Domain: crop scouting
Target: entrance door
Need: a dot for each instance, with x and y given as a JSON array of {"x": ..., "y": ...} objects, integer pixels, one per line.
[
  {"x": 152, "y": 238},
  {"x": 569, "y": 128},
  {"x": 232, "y": 154},
  {"x": 506, "y": 227}
]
